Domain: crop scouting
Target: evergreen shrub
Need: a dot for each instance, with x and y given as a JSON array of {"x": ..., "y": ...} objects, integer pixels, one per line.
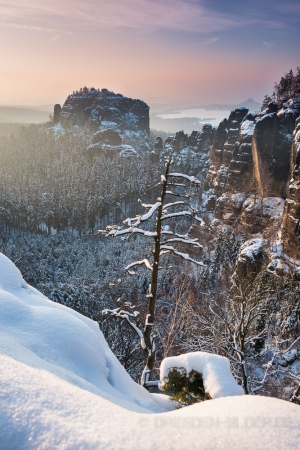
[{"x": 185, "y": 388}]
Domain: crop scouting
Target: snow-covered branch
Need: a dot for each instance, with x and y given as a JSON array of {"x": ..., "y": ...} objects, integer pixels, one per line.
[
  {"x": 192, "y": 242},
  {"x": 181, "y": 202},
  {"x": 138, "y": 263},
  {"x": 119, "y": 231},
  {"x": 145, "y": 205},
  {"x": 137, "y": 220},
  {"x": 122, "y": 314},
  {"x": 176, "y": 194},
  {"x": 177, "y": 184},
  {"x": 168, "y": 205},
  {"x": 192, "y": 179},
  {"x": 149, "y": 213},
  {"x": 169, "y": 249},
  {"x": 181, "y": 214}
]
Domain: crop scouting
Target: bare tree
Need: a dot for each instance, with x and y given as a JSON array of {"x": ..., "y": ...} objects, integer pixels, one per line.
[
  {"x": 230, "y": 321},
  {"x": 165, "y": 242}
]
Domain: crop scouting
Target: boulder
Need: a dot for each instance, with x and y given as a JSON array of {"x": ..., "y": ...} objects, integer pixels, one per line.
[
  {"x": 105, "y": 150},
  {"x": 109, "y": 136}
]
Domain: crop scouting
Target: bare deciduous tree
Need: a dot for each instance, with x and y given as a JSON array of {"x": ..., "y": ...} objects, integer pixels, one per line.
[{"x": 165, "y": 242}]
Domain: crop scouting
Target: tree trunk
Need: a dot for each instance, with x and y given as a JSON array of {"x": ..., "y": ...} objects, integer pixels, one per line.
[{"x": 148, "y": 334}]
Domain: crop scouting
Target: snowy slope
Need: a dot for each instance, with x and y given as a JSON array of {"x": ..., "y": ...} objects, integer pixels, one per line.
[
  {"x": 49, "y": 336},
  {"x": 61, "y": 387}
]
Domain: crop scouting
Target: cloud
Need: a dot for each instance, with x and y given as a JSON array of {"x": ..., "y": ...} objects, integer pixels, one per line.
[
  {"x": 145, "y": 15},
  {"x": 211, "y": 40},
  {"x": 25, "y": 27},
  {"x": 55, "y": 38}
]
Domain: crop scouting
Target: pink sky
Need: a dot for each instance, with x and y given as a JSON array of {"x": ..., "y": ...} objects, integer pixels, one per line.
[{"x": 194, "y": 51}]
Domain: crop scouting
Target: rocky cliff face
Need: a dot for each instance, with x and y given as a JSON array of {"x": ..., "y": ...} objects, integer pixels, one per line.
[
  {"x": 194, "y": 148},
  {"x": 291, "y": 216},
  {"x": 197, "y": 141},
  {"x": 251, "y": 162},
  {"x": 231, "y": 158},
  {"x": 249, "y": 214},
  {"x": 103, "y": 109},
  {"x": 271, "y": 149},
  {"x": 120, "y": 124}
]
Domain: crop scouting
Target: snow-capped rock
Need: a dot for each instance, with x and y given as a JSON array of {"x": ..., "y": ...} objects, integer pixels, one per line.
[
  {"x": 103, "y": 108},
  {"x": 217, "y": 378}
]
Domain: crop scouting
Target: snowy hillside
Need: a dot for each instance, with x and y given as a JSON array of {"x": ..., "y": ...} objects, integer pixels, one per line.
[{"x": 61, "y": 387}]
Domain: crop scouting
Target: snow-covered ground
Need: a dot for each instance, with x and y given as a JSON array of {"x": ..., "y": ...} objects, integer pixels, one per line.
[{"x": 62, "y": 388}]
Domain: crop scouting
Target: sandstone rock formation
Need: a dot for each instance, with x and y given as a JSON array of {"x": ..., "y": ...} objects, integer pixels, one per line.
[
  {"x": 104, "y": 108},
  {"x": 57, "y": 113},
  {"x": 271, "y": 149},
  {"x": 250, "y": 214},
  {"x": 120, "y": 124},
  {"x": 245, "y": 164},
  {"x": 197, "y": 141},
  {"x": 241, "y": 164},
  {"x": 202, "y": 140},
  {"x": 271, "y": 146},
  {"x": 291, "y": 216},
  {"x": 230, "y": 154},
  {"x": 251, "y": 161}
]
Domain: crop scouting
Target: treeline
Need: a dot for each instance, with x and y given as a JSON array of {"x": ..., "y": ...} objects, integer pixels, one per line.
[{"x": 288, "y": 87}]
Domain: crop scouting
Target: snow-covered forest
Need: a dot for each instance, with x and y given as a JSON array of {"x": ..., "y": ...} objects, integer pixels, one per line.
[{"x": 53, "y": 203}]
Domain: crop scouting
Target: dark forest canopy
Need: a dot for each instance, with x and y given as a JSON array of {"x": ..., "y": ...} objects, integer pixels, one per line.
[{"x": 287, "y": 88}]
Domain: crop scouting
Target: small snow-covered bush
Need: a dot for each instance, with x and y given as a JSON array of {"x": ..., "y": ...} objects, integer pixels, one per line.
[
  {"x": 214, "y": 369},
  {"x": 185, "y": 388}
]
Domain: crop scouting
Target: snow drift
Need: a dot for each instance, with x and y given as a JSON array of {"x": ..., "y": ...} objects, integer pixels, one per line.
[
  {"x": 49, "y": 336},
  {"x": 61, "y": 387}
]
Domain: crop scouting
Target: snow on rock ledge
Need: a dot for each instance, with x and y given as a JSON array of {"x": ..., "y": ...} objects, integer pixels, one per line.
[
  {"x": 217, "y": 378},
  {"x": 250, "y": 258}
]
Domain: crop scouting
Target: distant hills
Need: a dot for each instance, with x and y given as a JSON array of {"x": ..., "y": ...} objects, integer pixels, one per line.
[
  {"x": 169, "y": 108},
  {"x": 189, "y": 123},
  {"x": 25, "y": 114},
  {"x": 250, "y": 104}
]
